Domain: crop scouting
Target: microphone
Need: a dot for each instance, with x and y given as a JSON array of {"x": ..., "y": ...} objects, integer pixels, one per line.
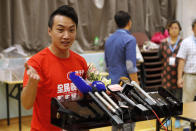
[
  {"x": 92, "y": 89},
  {"x": 141, "y": 91},
  {"x": 81, "y": 84},
  {"x": 138, "y": 99},
  {"x": 117, "y": 88},
  {"x": 171, "y": 100},
  {"x": 127, "y": 85},
  {"x": 101, "y": 88},
  {"x": 104, "y": 101}
]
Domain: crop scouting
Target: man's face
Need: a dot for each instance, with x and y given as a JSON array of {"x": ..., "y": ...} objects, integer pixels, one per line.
[
  {"x": 194, "y": 29},
  {"x": 63, "y": 32}
]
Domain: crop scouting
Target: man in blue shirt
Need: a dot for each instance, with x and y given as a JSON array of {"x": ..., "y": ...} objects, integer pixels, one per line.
[
  {"x": 120, "y": 50},
  {"x": 120, "y": 53}
]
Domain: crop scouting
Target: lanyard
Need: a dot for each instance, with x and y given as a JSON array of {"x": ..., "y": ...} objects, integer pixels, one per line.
[{"x": 173, "y": 49}]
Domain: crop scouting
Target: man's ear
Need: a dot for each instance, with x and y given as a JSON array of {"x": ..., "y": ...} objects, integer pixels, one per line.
[
  {"x": 130, "y": 23},
  {"x": 49, "y": 31}
]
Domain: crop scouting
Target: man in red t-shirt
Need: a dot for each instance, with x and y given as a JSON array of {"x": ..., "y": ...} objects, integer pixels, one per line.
[{"x": 47, "y": 72}]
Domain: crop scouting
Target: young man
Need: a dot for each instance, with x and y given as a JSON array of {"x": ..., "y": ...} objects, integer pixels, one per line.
[
  {"x": 47, "y": 72},
  {"x": 120, "y": 53},
  {"x": 120, "y": 50},
  {"x": 187, "y": 65}
]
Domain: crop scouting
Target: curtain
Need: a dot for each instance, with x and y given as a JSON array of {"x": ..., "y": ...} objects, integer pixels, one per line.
[{"x": 26, "y": 22}]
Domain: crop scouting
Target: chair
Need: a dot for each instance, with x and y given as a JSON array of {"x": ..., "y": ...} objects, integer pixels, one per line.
[
  {"x": 152, "y": 69},
  {"x": 140, "y": 37}
]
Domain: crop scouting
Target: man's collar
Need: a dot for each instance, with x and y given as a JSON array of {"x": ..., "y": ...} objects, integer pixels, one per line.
[{"x": 124, "y": 30}]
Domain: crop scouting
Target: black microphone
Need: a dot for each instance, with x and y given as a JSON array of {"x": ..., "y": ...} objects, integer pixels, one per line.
[
  {"x": 171, "y": 100},
  {"x": 142, "y": 92},
  {"x": 81, "y": 84},
  {"x": 101, "y": 88},
  {"x": 108, "y": 105},
  {"x": 139, "y": 100},
  {"x": 117, "y": 90},
  {"x": 127, "y": 86}
]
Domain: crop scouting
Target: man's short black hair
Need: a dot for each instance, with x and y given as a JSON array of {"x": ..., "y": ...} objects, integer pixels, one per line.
[
  {"x": 193, "y": 23},
  {"x": 64, "y": 10},
  {"x": 122, "y": 18},
  {"x": 174, "y": 22}
]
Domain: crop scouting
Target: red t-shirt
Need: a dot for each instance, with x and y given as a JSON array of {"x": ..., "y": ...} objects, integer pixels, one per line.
[{"x": 54, "y": 82}]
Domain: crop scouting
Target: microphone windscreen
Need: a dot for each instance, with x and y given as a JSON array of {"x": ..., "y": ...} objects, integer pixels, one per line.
[
  {"x": 99, "y": 85},
  {"x": 115, "y": 87},
  {"x": 80, "y": 83}
]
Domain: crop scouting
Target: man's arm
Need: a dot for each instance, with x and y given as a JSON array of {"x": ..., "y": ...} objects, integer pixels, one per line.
[
  {"x": 131, "y": 60},
  {"x": 29, "y": 93},
  {"x": 181, "y": 63}
]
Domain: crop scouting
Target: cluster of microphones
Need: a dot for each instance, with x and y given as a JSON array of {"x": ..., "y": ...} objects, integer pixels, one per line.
[{"x": 125, "y": 90}]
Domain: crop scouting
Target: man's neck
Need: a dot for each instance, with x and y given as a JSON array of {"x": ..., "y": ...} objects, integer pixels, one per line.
[{"x": 126, "y": 28}]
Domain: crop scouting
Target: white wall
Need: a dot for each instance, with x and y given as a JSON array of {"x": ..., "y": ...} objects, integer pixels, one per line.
[{"x": 186, "y": 13}]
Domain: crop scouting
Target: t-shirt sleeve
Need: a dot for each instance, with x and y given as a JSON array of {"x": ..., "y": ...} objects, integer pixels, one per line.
[
  {"x": 182, "y": 53},
  {"x": 131, "y": 56},
  {"x": 25, "y": 78},
  {"x": 35, "y": 65},
  {"x": 85, "y": 69}
]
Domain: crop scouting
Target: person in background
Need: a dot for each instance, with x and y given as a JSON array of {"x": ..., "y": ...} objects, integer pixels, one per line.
[
  {"x": 168, "y": 51},
  {"x": 187, "y": 66},
  {"x": 120, "y": 55},
  {"x": 47, "y": 72}
]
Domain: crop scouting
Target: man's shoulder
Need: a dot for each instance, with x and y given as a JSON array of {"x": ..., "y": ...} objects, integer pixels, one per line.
[
  {"x": 131, "y": 37},
  {"x": 120, "y": 35},
  {"x": 188, "y": 39},
  {"x": 111, "y": 36},
  {"x": 78, "y": 59},
  {"x": 77, "y": 56},
  {"x": 41, "y": 53}
]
